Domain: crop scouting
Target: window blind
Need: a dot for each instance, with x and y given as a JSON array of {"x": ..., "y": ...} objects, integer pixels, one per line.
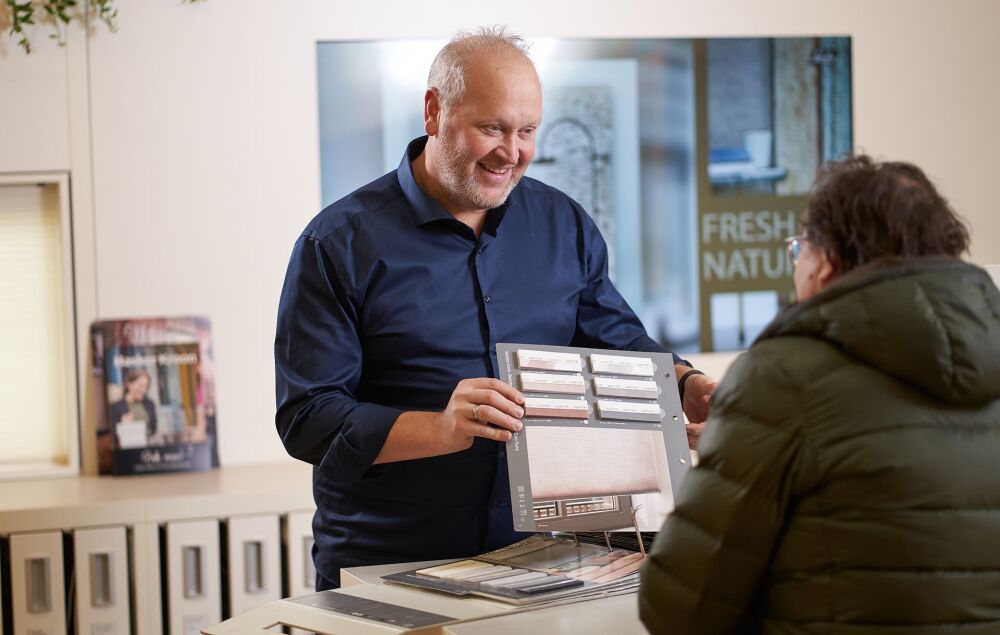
[{"x": 34, "y": 419}]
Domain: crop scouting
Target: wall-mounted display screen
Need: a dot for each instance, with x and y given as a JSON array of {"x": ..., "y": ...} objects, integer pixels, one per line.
[{"x": 692, "y": 155}]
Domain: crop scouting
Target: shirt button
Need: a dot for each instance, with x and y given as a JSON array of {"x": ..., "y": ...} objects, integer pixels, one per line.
[{"x": 487, "y": 299}]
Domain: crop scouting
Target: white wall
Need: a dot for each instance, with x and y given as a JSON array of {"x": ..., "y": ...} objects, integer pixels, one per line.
[
  {"x": 34, "y": 106},
  {"x": 205, "y": 160}
]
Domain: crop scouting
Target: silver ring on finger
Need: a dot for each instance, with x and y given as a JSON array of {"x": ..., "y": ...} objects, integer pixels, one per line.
[{"x": 475, "y": 412}]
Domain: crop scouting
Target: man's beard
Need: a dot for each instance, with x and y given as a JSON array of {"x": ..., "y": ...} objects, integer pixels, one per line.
[{"x": 461, "y": 185}]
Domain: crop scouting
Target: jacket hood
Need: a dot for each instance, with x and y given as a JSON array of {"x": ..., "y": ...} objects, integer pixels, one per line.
[{"x": 932, "y": 322}]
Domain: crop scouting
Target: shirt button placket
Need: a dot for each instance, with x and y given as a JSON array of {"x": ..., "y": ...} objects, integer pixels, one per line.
[
  {"x": 482, "y": 287},
  {"x": 482, "y": 275}
]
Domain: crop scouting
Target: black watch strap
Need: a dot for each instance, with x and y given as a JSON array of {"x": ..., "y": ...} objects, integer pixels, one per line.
[{"x": 683, "y": 380}]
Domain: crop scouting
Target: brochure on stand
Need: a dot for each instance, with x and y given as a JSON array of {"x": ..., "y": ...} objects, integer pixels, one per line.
[
  {"x": 156, "y": 411},
  {"x": 604, "y": 445}
]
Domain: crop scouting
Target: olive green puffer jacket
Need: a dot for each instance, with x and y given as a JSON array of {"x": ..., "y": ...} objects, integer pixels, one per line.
[{"x": 849, "y": 479}]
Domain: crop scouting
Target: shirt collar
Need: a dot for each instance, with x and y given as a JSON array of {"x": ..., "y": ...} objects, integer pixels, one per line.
[{"x": 425, "y": 209}]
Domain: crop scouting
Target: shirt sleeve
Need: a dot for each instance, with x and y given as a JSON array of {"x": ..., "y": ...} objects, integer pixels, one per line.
[
  {"x": 318, "y": 360},
  {"x": 713, "y": 550},
  {"x": 604, "y": 319}
]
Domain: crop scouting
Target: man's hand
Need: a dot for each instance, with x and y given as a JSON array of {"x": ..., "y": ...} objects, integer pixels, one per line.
[
  {"x": 480, "y": 407},
  {"x": 694, "y": 431},
  {"x": 698, "y": 391}
]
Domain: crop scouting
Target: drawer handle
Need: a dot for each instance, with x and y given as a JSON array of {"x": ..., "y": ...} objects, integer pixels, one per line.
[
  {"x": 253, "y": 567},
  {"x": 308, "y": 566},
  {"x": 102, "y": 593},
  {"x": 39, "y": 585},
  {"x": 193, "y": 566}
]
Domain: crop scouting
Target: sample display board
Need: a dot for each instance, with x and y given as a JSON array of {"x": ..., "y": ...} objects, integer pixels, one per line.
[
  {"x": 533, "y": 571},
  {"x": 603, "y": 437}
]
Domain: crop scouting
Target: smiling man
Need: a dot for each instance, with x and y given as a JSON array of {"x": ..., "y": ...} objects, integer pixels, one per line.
[
  {"x": 481, "y": 130},
  {"x": 394, "y": 301}
]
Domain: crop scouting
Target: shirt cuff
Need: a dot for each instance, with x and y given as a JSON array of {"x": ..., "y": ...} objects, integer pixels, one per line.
[{"x": 362, "y": 435}]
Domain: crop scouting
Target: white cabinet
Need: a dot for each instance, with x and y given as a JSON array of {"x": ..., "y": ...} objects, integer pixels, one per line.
[
  {"x": 194, "y": 590},
  {"x": 101, "y": 572},
  {"x": 38, "y": 586},
  {"x": 121, "y": 528},
  {"x": 299, "y": 566},
  {"x": 254, "y": 556}
]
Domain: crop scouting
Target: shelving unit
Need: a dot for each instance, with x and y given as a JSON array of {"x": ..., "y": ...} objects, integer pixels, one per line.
[{"x": 162, "y": 519}]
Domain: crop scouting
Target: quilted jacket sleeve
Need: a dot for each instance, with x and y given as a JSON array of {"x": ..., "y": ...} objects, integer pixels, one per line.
[{"x": 711, "y": 552}]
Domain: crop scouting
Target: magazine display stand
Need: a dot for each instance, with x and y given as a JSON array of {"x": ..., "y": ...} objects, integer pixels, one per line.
[{"x": 156, "y": 408}]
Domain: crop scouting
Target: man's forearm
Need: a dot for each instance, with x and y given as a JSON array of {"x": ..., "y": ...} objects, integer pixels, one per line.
[
  {"x": 480, "y": 407},
  {"x": 414, "y": 436}
]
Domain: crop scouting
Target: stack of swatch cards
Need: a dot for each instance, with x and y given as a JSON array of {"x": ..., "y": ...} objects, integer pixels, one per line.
[
  {"x": 535, "y": 571},
  {"x": 603, "y": 447}
]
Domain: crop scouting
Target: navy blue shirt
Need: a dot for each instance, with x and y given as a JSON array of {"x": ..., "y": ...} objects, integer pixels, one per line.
[{"x": 388, "y": 303}]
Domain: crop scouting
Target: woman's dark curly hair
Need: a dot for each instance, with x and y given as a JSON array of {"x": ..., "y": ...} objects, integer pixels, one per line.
[{"x": 860, "y": 209}]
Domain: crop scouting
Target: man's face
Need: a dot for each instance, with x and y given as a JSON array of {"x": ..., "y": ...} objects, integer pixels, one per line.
[{"x": 487, "y": 139}]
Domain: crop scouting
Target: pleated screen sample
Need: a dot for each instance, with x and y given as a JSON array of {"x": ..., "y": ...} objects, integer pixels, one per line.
[
  {"x": 567, "y": 462},
  {"x": 567, "y": 408},
  {"x": 548, "y": 360},
  {"x": 613, "y": 387},
  {"x": 554, "y": 383},
  {"x": 622, "y": 365},
  {"x": 629, "y": 410}
]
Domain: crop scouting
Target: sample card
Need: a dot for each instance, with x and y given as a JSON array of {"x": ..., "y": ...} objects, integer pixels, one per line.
[
  {"x": 557, "y": 408},
  {"x": 603, "y": 434},
  {"x": 629, "y": 411},
  {"x": 620, "y": 365},
  {"x": 637, "y": 388},
  {"x": 554, "y": 383},
  {"x": 548, "y": 360}
]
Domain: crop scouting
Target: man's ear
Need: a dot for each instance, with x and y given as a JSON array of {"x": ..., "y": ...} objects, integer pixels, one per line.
[{"x": 432, "y": 112}]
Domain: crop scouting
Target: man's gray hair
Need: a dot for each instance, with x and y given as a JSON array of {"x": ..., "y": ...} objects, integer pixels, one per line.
[{"x": 447, "y": 73}]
